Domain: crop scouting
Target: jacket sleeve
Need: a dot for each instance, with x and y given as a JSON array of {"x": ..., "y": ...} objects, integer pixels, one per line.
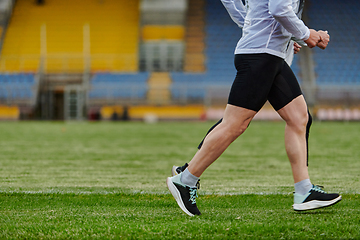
[
  {"x": 283, "y": 12},
  {"x": 236, "y": 10}
]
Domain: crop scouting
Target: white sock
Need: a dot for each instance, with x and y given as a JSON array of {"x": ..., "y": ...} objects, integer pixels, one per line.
[
  {"x": 303, "y": 186},
  {"x": 188, "y": 179}
]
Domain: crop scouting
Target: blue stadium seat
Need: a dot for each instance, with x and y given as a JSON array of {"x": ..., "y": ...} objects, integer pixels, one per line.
[
  {"x": 118, "y": 85},
  {"x": 339, "y": 63},
  {"x": 17, "y": 87}
]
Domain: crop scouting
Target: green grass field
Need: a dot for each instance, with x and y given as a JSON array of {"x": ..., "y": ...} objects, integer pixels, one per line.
[{"x": 107, "y": 180}]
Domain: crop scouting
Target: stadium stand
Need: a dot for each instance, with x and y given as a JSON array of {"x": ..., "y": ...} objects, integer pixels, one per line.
[
  {"x": 188, "y": 86},
  {"x": 106, "y": 31},
  {"x": 158, "y": 88},
  {"x": 9, "y": 112},
  {"x": 339, "y": 64},
  {"x": 195, "y": 37},
  {"x": 110, "y": 88},
  {"x": 107, "y": 37},
  {"x": 159, "y": 32},
  {"x": 155, "y": 39},
  {"x": 17, "y": 92},
  {"x": 337, "y": 68},
  {"x": 295, "y": 66},
  {"x": 152, "y": 114},
  {"x": 221, "y": 36},
  {"x": 17, "y": 87}
]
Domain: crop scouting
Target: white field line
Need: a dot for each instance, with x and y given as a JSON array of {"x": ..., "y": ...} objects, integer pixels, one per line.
[{"x": 206, "y": 193}]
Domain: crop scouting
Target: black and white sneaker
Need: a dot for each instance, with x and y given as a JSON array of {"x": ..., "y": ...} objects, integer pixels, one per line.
[
  {"x": 184, "y": 195},
  {"x": 177, "y": 170},
  {"x": 315, "y": 198}
]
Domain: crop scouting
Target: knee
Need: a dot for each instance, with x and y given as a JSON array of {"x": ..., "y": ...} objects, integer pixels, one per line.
[
  {"x": 239, "y": 131},
  {"x": 236, "y": 130},
  {"x": 301, "y": 122}
]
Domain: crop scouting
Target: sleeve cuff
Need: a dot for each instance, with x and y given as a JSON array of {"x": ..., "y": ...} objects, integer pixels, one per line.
[{"x": 306, "y": 36}]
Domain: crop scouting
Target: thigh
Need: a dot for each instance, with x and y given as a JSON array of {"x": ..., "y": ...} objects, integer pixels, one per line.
[
  {"x": 285, "y": 88},
  {"x": 254, "y": 80}
]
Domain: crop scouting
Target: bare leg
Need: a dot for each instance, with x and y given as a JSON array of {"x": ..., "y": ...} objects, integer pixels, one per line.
[
  {"x": 235, "y": 122},
  {"x": 296, "y": 117}
]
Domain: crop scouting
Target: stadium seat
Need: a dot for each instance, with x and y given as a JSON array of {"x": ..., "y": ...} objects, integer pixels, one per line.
[
  {"x": 118, "y": 86},
  {"x": 108, "y": 31},
  {"x": 222, "y": 35},
  {"x": 17, "y": 87},
  {"x": 339, "y": 64}
]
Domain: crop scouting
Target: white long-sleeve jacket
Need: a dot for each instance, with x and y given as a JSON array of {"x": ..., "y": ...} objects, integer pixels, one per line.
[{"x": 268, "y": 25}]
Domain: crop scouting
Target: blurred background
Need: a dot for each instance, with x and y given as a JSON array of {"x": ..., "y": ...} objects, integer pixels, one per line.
[{"x": 156, "y": 60}]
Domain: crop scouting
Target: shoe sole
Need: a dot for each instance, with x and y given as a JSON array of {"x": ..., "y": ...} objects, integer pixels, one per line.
[
  {"x": 176, "y": 194},
  {"x": 315, "y": 204}
]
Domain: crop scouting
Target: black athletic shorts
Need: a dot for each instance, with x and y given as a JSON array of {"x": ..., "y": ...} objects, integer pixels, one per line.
[{"x": 261, "y": 77}]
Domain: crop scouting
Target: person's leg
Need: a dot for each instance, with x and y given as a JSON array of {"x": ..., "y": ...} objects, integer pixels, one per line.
[
  {"x": 234, "y": 123},
  {"x": 285, "y": 96},
  {"x": 179, "y": 169},
  {"x": 183, "y": 186},
  {"x": 295, "y": 115},
  {"x": 249, "y": 92},
  {"x": 287, "y": 99},
  {"x": 255, "y": 74},
  {"x": 212, "y": 127}
]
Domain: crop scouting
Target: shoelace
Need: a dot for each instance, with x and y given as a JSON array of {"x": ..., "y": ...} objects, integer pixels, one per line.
[
  {"x": 318, "y": 188},
  {"x": 193, "y": 195}
]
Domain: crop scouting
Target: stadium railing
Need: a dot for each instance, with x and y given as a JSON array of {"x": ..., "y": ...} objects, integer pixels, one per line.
[{"x": 67, "y": 63}]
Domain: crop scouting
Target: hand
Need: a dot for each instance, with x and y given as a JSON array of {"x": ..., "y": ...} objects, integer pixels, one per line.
[
  {"x": 313, "y": 39},
  {"x": 324, "y": 39},
  {"x": 297, "y": 47}
]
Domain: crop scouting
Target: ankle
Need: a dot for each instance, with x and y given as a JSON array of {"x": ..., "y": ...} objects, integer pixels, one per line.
[
  {"x": 188, "y": 179},
  {"x": 303, "y": 186}
]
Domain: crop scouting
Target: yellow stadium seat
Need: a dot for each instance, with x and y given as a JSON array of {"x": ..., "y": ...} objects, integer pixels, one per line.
[
  {"x": 9, "y": 112},
  {"x": 158, "y": 32},
  {"x": 113, "y": 30}
]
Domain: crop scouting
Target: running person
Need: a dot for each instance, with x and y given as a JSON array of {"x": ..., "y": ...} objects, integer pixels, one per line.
[{"x": 262, "y": 74}]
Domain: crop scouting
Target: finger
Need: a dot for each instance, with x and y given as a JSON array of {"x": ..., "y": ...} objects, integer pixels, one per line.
[
  {"x": 325, "y": 40},
  {"x": 324, "y": 37},
  {"x": 327, "y": 34},
  {"x": 297, "y": 45},
  {"x": 323, "y": 33},
  {"x": 322, "y": 45}
]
